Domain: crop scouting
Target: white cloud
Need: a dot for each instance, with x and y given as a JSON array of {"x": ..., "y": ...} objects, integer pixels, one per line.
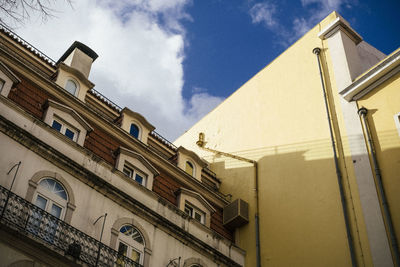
[
  {"x": 141, "y": 49},
  {"x": 263, "y": 13},
  {"x": 201, "y": 104}
]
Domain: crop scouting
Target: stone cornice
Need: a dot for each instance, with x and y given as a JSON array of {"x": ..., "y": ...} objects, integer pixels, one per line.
[{"x": 340, "y": 24}]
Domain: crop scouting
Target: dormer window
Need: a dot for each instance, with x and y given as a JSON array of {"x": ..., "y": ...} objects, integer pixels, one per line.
[
  {"x": 194, "y": 205},
  {"x": 66, "y": 121},
  {"x": 64, "y": 128},
  {"x": 134, "y": 131},
  {"x": 135, "y": 174},
  {"x": 71, "y": 87},
  {"x": 135, "y": 167},
  {"x": 189, "y": 168},
  {"x": 195, "y": 212}
]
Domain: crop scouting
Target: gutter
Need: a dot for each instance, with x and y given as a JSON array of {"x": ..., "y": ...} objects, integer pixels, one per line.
[
  {"x": 362, "y": 112},
  {"x": 350, "y": 241}
]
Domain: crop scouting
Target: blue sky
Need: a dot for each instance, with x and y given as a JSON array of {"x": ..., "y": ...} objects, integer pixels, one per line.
[{"x": 175, "y": 60}]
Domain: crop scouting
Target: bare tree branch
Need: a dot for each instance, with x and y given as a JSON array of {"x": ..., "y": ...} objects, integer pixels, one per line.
[{"x": 21, "y": 11}]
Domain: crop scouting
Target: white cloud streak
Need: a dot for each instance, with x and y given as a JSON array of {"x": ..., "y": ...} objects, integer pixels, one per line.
[
  {"x": 141, "y": 49},
  {"x": 263, "y": 13},
  {"x": 315, "y": 10}
]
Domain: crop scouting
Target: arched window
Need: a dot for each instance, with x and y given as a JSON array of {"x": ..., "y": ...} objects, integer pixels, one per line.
[
  {"x": 71, "y": 87},
  {"x": 130, "y": 244},
  {"x": 51, "y": 197},
  {"x": 189, "y": 168},
  {"x": 134, "y": 131}
]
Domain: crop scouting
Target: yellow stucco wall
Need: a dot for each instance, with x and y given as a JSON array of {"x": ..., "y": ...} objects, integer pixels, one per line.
[
  {"x": 278, "y": 118},
  {"x": 383, "y": 104}
]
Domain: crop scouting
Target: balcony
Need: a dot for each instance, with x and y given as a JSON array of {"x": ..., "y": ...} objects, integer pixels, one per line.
[{"x": 29, "y": 220}]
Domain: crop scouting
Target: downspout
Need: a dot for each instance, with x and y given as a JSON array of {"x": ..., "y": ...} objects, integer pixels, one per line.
[
  {"x": 362, "y": 112},
  {"x": 200, "y": 143},
  {"x": 317, "y": 52}
]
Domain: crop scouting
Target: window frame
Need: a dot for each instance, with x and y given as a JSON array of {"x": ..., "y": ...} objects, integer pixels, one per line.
[
  {"x": 139, "y": 130},
  {"x": 131, "y": 244},
  {"x": 133, "y": 172},
  {"x": 77, "y": 87},
  {"x": 52, "y": 198},
  {"x": 195, "y": 210},
  {"x": 64, "y": 127},
  {"x": 191, "y": 165}
]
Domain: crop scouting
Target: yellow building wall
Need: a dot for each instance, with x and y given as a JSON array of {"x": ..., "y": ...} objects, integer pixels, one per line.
[
  {"x": 278, "y": 118},
  {"x": 383, "y": 103}
]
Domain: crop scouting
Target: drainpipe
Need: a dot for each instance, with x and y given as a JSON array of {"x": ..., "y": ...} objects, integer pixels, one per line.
[
  {"x": 362, "y": 112},
  {"x": 200, "y": 143},
  {"x": 317, "y": 52}
]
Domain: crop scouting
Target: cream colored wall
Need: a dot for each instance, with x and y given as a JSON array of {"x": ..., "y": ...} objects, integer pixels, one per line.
[
  {"x": 382, "y": 104},
  {"x": 278, "y": 118},
  {"x": 90, "y": 203}
]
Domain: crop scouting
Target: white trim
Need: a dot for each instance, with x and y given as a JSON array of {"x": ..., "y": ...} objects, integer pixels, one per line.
[
  {"x": 373, "y": 78},
  {"x": 340, "y": 24},
  {"x": 397, "y": 121},
  {"x": 69, "y": 78}
]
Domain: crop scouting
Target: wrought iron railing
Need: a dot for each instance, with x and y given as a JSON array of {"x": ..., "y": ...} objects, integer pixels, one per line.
[
  {"x": 28, "y": 219},
  {"x": 105, "y": 99},
  {"x": 163, "y": 140}
]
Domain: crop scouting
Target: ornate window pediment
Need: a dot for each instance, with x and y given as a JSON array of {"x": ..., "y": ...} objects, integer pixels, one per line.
[
  {"x": 136, "y": 167},
  {"x": 195, "y": 206},
  {"x": 66, "y": 121}
]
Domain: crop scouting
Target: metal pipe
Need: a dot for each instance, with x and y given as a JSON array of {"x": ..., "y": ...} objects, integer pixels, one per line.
[
  {"x": 201, "y": 144},
  {"x": 101, "y": 236},
  {"x": 317, "y": 52},
  {"x": 11, "y": 186},
  {"x": 362, "y": 112}
]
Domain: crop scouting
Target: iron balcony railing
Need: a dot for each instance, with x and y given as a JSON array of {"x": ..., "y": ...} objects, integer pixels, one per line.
[{"x": 29, "y": 220}]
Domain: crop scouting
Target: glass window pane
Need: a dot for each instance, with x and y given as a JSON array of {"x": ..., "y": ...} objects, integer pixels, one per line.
[
  {"x": 41, "y": 202},
  {"x": 134, "y": 131},
  {"x": 135, "y": 256},
  {"x": 56, "y": 125},
  {"x": 56, "y": 211},
  {"x": 59, "y": 190},
  {"x": 139, "y": 179},
  {"x": 127, "y": 171},
  {"x": 71, "y": 87},
  {"x": 188, "y": 210},
  {"x": 122, "y": 249},
  {"x": 197, "y": 217},
  {"x": 189, "y": 168},
  {"x": 70, "y": 134}
]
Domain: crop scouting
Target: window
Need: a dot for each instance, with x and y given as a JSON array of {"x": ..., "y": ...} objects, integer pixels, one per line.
[
  {"x": 1, "y": 84},
  {"x": 71, "y": 87},
  {"x": 136, "y": 175},
  {"x": 134, "y": 131},
  {"x": 64, "y": 128},
  {"x": 195, "y": 213},
  {"x": 52, "y": 198},
  {"x": 189, "y": 168},
  {"x": 130, "y": 244}
]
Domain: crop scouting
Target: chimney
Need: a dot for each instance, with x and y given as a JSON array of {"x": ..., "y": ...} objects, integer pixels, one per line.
[{"x": 79, "y": 57}]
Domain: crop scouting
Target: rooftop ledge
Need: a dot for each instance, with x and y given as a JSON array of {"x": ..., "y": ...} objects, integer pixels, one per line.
[
  {"x": 340, "y": 24},
  {"x": 373, "y": 77}
]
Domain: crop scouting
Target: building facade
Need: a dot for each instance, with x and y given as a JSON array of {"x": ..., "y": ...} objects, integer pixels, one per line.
[
  {"x": 87, "y": 183},
  {"x": 319, "y": 128}
]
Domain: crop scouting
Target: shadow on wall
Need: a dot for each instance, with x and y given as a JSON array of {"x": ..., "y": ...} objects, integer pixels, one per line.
[{"x": 299, "y": 203}]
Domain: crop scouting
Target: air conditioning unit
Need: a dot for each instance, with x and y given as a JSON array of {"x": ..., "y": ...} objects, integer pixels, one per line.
[{"x": 236, "y": 214}]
